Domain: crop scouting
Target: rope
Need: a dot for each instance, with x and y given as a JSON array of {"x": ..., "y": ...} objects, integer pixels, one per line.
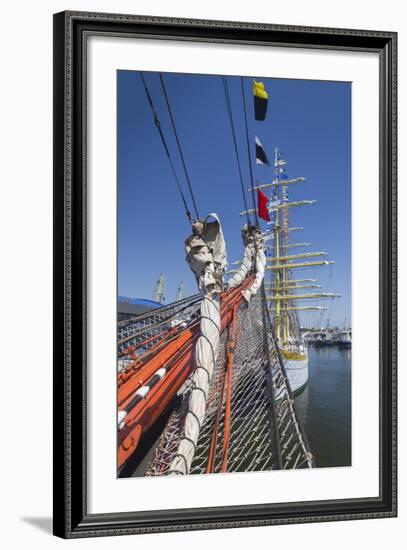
[
  {"x": 296, "y": 420},
  {"x": 248, "y": 151},
  {"x": 275, "y": 435},
  {"x": 158, "y": 125},
  {"x": 214, "y": 439},
  {"x": 232, "y": 127},
  {"x": 179, "y": 144}
]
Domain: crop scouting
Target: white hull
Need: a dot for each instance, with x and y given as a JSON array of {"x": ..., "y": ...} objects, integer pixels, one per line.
[{"x": 297, "y": 373}]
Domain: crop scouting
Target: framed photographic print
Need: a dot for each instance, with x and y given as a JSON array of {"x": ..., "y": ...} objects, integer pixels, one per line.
[{"x": 225, "y": 274}]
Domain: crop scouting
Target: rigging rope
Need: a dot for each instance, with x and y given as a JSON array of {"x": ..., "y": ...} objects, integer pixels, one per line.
[
  {"x": 273, "y": 417},
  {"x": 248, "y": 150},
  {"x": 179, "y": 144},
  {"x": 232, "y": 127},
  {"x": 158, "y": 125}
]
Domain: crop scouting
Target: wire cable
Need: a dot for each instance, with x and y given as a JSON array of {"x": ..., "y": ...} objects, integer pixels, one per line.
[
  {"x": 232, "y": 127},
  {"x": 158, "y": 125},
  {"x": 179, "y": 144},
  {"x": 248, "y": 151}
]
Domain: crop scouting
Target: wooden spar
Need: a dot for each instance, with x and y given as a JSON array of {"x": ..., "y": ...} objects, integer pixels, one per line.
[
  {"x": 277, "y": 207},
  {"x": 290, "y": 287},
  {"x": 318, "y": 295},
  {"x": 291, "y": 205},
  {"x": 283, "y": 230},
  {"x": 276, "y": 182},
  {"x": 296, "y": 256},
  {"x": 303, "y": 264},
  {"x": 303, "y": 308},
  {"x": 294, "y": 281},
  {"x": 296, "y": 244}
]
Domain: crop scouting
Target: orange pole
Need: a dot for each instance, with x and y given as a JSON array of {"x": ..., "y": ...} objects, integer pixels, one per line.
[
  {"x": 145, "y": 413},
  {"x": 231, "y": 345},
  {"x": 144, "y": 342},
  {"x": 159, "y": 360},
  {"x": 140, "y": 361}
]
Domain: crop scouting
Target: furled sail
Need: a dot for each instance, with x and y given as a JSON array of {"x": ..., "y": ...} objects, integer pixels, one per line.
[{"x": 206, "y": 255}]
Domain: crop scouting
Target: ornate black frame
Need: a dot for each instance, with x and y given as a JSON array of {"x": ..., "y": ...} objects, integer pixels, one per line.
[{"x": 71, "y": 518}]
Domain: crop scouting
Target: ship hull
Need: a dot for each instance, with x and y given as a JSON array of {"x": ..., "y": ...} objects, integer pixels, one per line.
[
  {"x": 344, "y": 344},
  {"x": 297, "y": 373}
]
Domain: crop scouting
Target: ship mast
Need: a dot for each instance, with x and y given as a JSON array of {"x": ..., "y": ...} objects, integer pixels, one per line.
[
  {"x": 277, "y": 234},
  {"x": 282, "y": 289}
]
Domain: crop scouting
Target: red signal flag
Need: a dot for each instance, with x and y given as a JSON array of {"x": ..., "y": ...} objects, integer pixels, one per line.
[{"x": 262, "y": 209}]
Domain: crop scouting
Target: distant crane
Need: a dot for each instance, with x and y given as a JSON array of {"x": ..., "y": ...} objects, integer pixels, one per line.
[
  {"x": 160, "y": 289},
  {"x": 180, "y": 292}
]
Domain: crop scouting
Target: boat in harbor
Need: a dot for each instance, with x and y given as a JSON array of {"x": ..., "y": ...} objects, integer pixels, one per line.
[
  {"x": 344, "y": 339},
  {"x": 321, "y": 339}
]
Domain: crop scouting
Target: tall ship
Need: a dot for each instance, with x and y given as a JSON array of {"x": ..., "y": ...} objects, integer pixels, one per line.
[
  {"x": 285, "y": 293},
  {"x": 206, "y": 383}
]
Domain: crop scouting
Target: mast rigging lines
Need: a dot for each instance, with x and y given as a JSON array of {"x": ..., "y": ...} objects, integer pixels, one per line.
[
  {"x": 177, "y": 139},
  {"x": 178, "y": 143},
  {"x": 232, "y": 127},
  {"x": 167, "y": 151},
  {"x": 248, "y": 150}
]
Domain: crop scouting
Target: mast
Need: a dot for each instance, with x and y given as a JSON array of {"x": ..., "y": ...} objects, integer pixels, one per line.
[
  {"x": 277, "y": 235},
  {"x": 284, "y": 197},
  {"x": 283, "y": 289}
]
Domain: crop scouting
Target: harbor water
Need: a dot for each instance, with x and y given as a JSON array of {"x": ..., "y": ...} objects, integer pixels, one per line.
[{"x": 324, "y": 407}]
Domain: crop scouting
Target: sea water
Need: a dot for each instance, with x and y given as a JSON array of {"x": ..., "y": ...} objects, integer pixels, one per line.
[{"x": 324, "y": 407}]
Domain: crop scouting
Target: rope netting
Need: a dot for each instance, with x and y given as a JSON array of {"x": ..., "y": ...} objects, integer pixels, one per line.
[{"x": 250, "y": 421}]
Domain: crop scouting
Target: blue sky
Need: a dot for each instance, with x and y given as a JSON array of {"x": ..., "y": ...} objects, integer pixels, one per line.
[{"x": 310, "y": 122}]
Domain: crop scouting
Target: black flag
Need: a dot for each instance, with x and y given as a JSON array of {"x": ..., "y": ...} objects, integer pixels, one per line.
[{"x": 261, "y": 157}]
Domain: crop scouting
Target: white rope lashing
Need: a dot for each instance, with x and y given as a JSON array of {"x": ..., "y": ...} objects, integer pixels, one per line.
[{"x": 206, "y": 255}]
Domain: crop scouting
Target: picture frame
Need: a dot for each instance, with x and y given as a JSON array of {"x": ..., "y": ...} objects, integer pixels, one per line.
[{"x": 71, "y": 516}]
